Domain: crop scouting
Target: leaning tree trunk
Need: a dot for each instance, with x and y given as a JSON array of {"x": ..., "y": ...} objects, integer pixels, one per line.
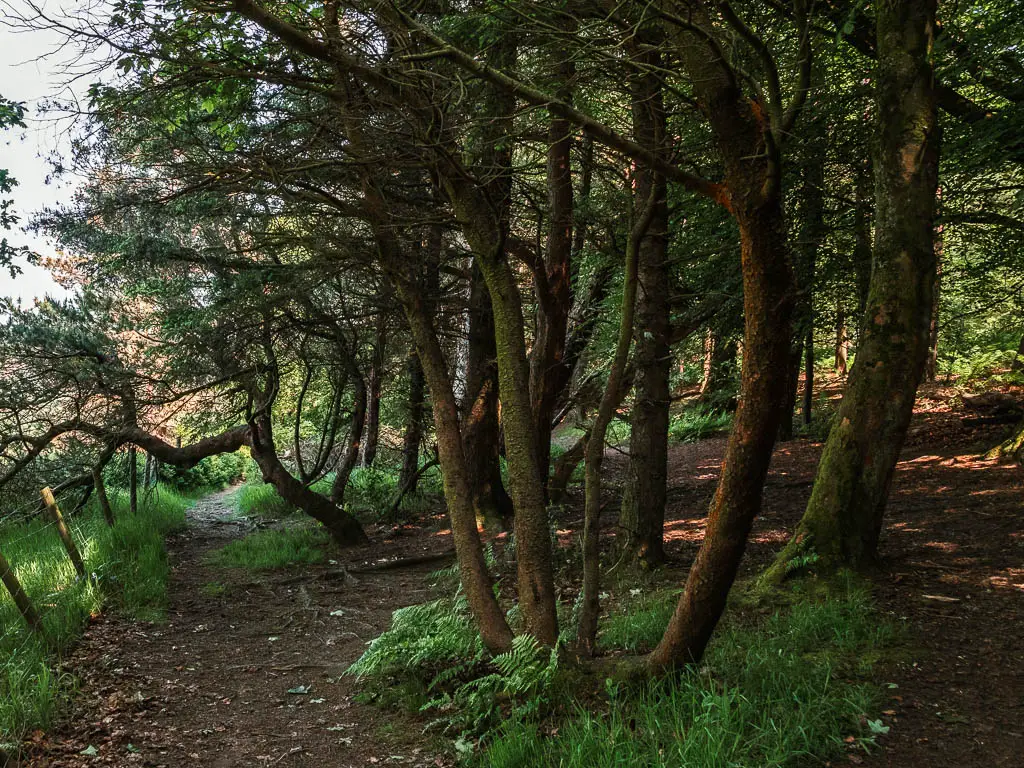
[
  {"x": 767, "y": 301},
  {"x": 590, "y": 604},
  {"x": 843, "y": 519},
  {"x": 642, "y": 515},
  {"x": 344, "y": 528}
]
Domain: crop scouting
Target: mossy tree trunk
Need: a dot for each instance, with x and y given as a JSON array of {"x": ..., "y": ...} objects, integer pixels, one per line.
[
  {"x": 481, "y": 427},
  {"x": 843, "y": 519}
]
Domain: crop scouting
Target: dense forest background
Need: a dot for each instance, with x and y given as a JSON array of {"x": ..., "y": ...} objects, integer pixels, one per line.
[{"x": 380, "y": 258}]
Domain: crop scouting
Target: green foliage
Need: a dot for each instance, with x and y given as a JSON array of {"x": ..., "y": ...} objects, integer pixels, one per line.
[
  {"x": 276, "y": 548},
  {"x": 774, "y": 694},
  {"x": 262, "y": 500},
  {"x": 370, "y": 490},
  {"x": 422, "y": 638},
  {"x": 212, "y": 472},
  {"x": 699, "y": 422},
  {"x": 130, "y": 566}
]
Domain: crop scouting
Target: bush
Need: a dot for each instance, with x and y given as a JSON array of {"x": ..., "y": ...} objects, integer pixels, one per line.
[
  {"x": 130, "y": 565},
  {"x": 212, "y": 472}
]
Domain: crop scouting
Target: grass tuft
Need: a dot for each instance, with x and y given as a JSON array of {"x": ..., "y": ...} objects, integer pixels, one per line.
[{"x": 275, "y": 548}]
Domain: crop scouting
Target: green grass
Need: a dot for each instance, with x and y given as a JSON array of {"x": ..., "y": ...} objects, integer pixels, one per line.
[
  {"x": 699, "y": 422},
  {"x": 275, "y": 548},
  {"x": 130, "y": 565},
  {"x": 262, "y": 501},
  {"x": 784, "y": 691}
]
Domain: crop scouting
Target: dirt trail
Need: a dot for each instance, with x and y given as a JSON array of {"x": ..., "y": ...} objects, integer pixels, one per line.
[{"x": 210, "y": 687}]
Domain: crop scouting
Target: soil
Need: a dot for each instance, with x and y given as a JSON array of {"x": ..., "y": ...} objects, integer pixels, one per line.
[{"x": 211, "y": 686}]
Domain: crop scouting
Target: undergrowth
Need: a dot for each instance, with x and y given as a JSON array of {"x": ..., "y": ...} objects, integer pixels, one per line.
[
  {"x": 130, "y": 570},
  {"x": 773, "y": 690},
  {"x": 699, "y": 422}
]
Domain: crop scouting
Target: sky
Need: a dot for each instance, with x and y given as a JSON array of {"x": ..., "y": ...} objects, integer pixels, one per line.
[{"x": 26, "y": 77}]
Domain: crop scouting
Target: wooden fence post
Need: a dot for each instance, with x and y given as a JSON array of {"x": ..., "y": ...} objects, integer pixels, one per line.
[
  {"x": 62, "y": 529},
  {"x": 101, "y": 494},
  {"x": 21, "y": 600}
]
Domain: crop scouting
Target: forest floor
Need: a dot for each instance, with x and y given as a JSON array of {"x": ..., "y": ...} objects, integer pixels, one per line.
[{"x": 211, "y": 687}]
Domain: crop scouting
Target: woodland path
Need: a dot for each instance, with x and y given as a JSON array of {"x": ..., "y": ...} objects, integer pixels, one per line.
[{"x": 210, "y": 687}]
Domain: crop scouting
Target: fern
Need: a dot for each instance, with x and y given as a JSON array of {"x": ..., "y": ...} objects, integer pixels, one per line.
[{"x": 426, "y": 635}]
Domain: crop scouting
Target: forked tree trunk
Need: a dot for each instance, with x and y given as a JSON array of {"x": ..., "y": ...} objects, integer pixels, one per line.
[
  {"x": 526, "y": 478},
  {"x": 475, "y": 578},
  {"x": 642, "y": 515},
  {"x": 535, "y": 577},
  {"x": 843, "y": 519}
]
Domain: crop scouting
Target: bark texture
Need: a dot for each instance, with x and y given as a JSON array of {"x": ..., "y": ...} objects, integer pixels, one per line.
[
  {"x": 642, "y": 515},
  {"x": 843, "y": 519}
]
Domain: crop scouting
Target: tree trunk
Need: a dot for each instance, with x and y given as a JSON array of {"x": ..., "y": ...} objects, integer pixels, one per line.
[
  {"x": 642, "y": 515},
  {"x": 809, "y": 377},
  {"x": 526, "y": 480},
  {"x": 476, "y": 580},
  {"x": 754, "y": 197},
  {"x": 810, "y": 235},
  {"x": 372, "y": 431},
  {"x": 590, "y": 604},
  {"x": 793, "y": 363},
  {"x": 101, "y": 494},
  {"x": 843, "y": 520},
  {"x": 931, "y": 366},
  {"x": 842, "y": 342},
  {"x": 343, "y": 528},
  {"x": 481, "y": 426},
  {"x": 413, "y": 424},
  {"x": 549, "y": 373},
  {"x": 350, "y": 456}
]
